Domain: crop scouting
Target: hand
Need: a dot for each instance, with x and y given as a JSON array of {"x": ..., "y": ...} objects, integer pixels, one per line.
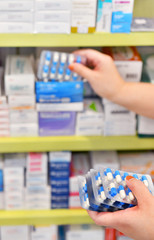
[
  {"x": 104, "y": 77},
  {"x": 136, "y": 222}
]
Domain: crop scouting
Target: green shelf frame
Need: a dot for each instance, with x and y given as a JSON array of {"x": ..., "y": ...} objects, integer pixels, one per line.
[
  {"x": 77, "y": 40},
  {"x": 44, "y": 217},
  {"x": 74, "y": 143}
]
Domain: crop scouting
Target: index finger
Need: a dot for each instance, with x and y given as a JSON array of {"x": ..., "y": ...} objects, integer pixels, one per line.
[{"x": 92, "y": 55}]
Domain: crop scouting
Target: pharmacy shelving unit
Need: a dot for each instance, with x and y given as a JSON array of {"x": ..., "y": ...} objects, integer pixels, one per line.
[{"x": 35, "y": 144}]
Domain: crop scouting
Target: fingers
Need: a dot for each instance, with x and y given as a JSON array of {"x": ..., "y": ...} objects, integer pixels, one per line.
[
  {"x": 93, "y": 56},
  {"x": 140, "y": 191},
  {"x": 83, "y": 71},
  {"x": 108, "y": 219}
]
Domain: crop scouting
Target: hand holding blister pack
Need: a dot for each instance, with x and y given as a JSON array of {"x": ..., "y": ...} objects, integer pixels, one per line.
[
  {"x": 105, "y": 190},
  {"x": 53, "y": 66}
]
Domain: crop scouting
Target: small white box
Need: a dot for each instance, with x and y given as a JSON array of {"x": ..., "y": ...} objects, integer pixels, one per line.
[
  {"x": 16, "y": 5},
  {"x": 21, "y": 102},
  {"x": 23, "y": 130},
  {"x": 83, "y": 16},
  {"x": 74, "y": 201},
  {"x": 52, "y": 107},
  {"x": 19, "y": 76},
  {"x": 145, "y": 126},
  {"x": 44, "y": 232},
  {"x": 91, "y": 120},
  {"x": 104, "y": 159},
  {"x": 17, "y": 16},
  {"x": 34, "y": 160},
  {"x": 104, "y": 16},
  {"x": 52, "y": 27},
  {"x": 52, "y": 16},
  {"x": 4, "y": 133},
  {"x": 15, "y": 232},
  {"x": 17, "y": 27},
  {"x": 42, "y": 5},
  {"x": 80, "y": 232},
  {"x": 23, "y": 116},
  {"x": 15, "y": 160}
]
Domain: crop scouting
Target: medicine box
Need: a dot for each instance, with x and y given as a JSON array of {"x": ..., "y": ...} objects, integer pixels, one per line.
[
  {"x": 18, "y": 27},
  {"x": 19, "y": 76},
  {"x": 15, "y": 232},
  {"x": 127, "y": 61},
  {"x": 83, "y": 17},
  {"x": 52, "y": 16},
  {"x": 90, "y": 121},
  {"x": 23, "y": 102},
  {"x": 24, "y": 129},
  {"x": 16, "y": 5},
  {"x": 56, "y": 123},
  {"x": 104, "y": 16},
  {"x": 52, "y": 27},
  {"x": 16, "y": 16},
  {"x": 23, "y": 116},
  {"x": 56, "y": 107},
  {"x": 52, "y": 5},
  {"x": 59, "y": 92}
]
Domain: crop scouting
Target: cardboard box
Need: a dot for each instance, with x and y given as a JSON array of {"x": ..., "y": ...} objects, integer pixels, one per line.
[
  {"x": 23, "y": 116},
  {"x": 83, "y": 16},
  {"x": 91, "y": 120},
  {"x": 23, "y": 102},
  {"x": 19, "y": 76},
  {"x": 16, "y": 5},
  {"x": 56, "y": 123},
  {"x": 52, "y": 27},
  {"x": 42, "y": 5},
  {"x": 53, "y": 16},
  {"x": 57, "y": 107},
  {"x": 104, "y": 16},
  {"x": 24, "y": 130},
  {"x": 17, "y": 27},
  {"x": 127, "y": 61},
  {"x": 15, "y": 232},
  {"x": 16, "y": 16}
]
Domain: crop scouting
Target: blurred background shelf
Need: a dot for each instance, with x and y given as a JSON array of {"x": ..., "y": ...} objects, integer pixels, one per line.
[
  {"x": 79, "y": 40},
  {"x": 74, "y": 143},
  {"x": 45, "y": 217}
]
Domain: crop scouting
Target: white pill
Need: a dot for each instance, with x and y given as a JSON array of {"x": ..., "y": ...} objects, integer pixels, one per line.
[
  {"x": 44, "y": 74},
  {"x": 109, "y": 176},
  {"x": 122, "y": 194},
  {"x": 146, "y": 183},
  {"x": 67, "y": 77},
  {"x": 124, "y": 183},
  {"x": 131, "y": 196},
  {"x": 71, "y": 58},
  {"x": 118, "y": 179},
  {"x": 83, "y": 183},
  {"x": 103, "y": 197},
  {"x": 99, "y": 181},
  {"x": 112, "y": 185},
  {"x": 56, "y": 57},
  {"x": 63, "y": 58}
]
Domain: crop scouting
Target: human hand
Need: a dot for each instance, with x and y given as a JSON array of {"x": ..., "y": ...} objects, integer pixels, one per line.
[
  {"x": 136, "y": 222},
  {"x": 103, "y": 77}
]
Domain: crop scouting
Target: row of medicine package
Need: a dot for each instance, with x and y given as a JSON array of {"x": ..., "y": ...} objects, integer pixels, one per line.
[
  {"x": 65, "y": 16},
  {"x": 38, "y": 185}
]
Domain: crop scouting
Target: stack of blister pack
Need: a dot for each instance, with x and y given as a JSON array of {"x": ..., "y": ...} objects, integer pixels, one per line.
[
  {"x": 59, "y": 93},
  {"x": 106, "y": 190}
]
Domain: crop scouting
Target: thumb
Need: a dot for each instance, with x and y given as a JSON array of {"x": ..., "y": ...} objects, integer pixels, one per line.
[
  {"x": 82, "y": 70},
  {"x": 138, "y": 188}
]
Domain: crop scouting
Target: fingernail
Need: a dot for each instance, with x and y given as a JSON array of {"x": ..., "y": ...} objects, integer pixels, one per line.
[
  {"x": 71, "y": 67},
  {"x": 128, "y": 178}
]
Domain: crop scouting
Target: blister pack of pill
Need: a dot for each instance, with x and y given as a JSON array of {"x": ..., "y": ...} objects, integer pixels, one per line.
[
  {"x": 53, "y": 66},
  {"x": 105, "y": 190}
]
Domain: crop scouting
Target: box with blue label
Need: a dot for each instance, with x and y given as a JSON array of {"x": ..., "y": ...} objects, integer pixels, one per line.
[
  {"x": 122, "y": 16},
  {"x": 104, "y": 16},
  {"x": 59, "y": 92}
]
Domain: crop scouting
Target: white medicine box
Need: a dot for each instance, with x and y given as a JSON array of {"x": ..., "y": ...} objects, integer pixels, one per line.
[
  {"x": 127, "y": 61},
  {"x": 19, "y": 76}
]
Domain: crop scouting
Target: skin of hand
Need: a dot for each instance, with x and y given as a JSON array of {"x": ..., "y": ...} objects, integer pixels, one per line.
[
  {"x": 104, "y": 77},
  {"x": 136, "y": 222},
  {"x": 106, "y": 81}
]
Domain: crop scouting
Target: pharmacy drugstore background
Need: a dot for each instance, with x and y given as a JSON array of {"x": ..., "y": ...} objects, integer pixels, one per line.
[{"x": 40, "y": 124}]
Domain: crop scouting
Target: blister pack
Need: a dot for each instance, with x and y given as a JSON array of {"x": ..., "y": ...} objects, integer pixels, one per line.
[
  {"x": 53, "y": 66},
  {"x": 106, "y": 190}
]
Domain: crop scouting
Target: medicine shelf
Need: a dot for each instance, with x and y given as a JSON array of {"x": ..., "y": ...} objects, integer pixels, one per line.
[
  {"x": 44, "y": 217},
  {"x": 74, "y": 143},
  {"x": 77, "y": 40}
]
